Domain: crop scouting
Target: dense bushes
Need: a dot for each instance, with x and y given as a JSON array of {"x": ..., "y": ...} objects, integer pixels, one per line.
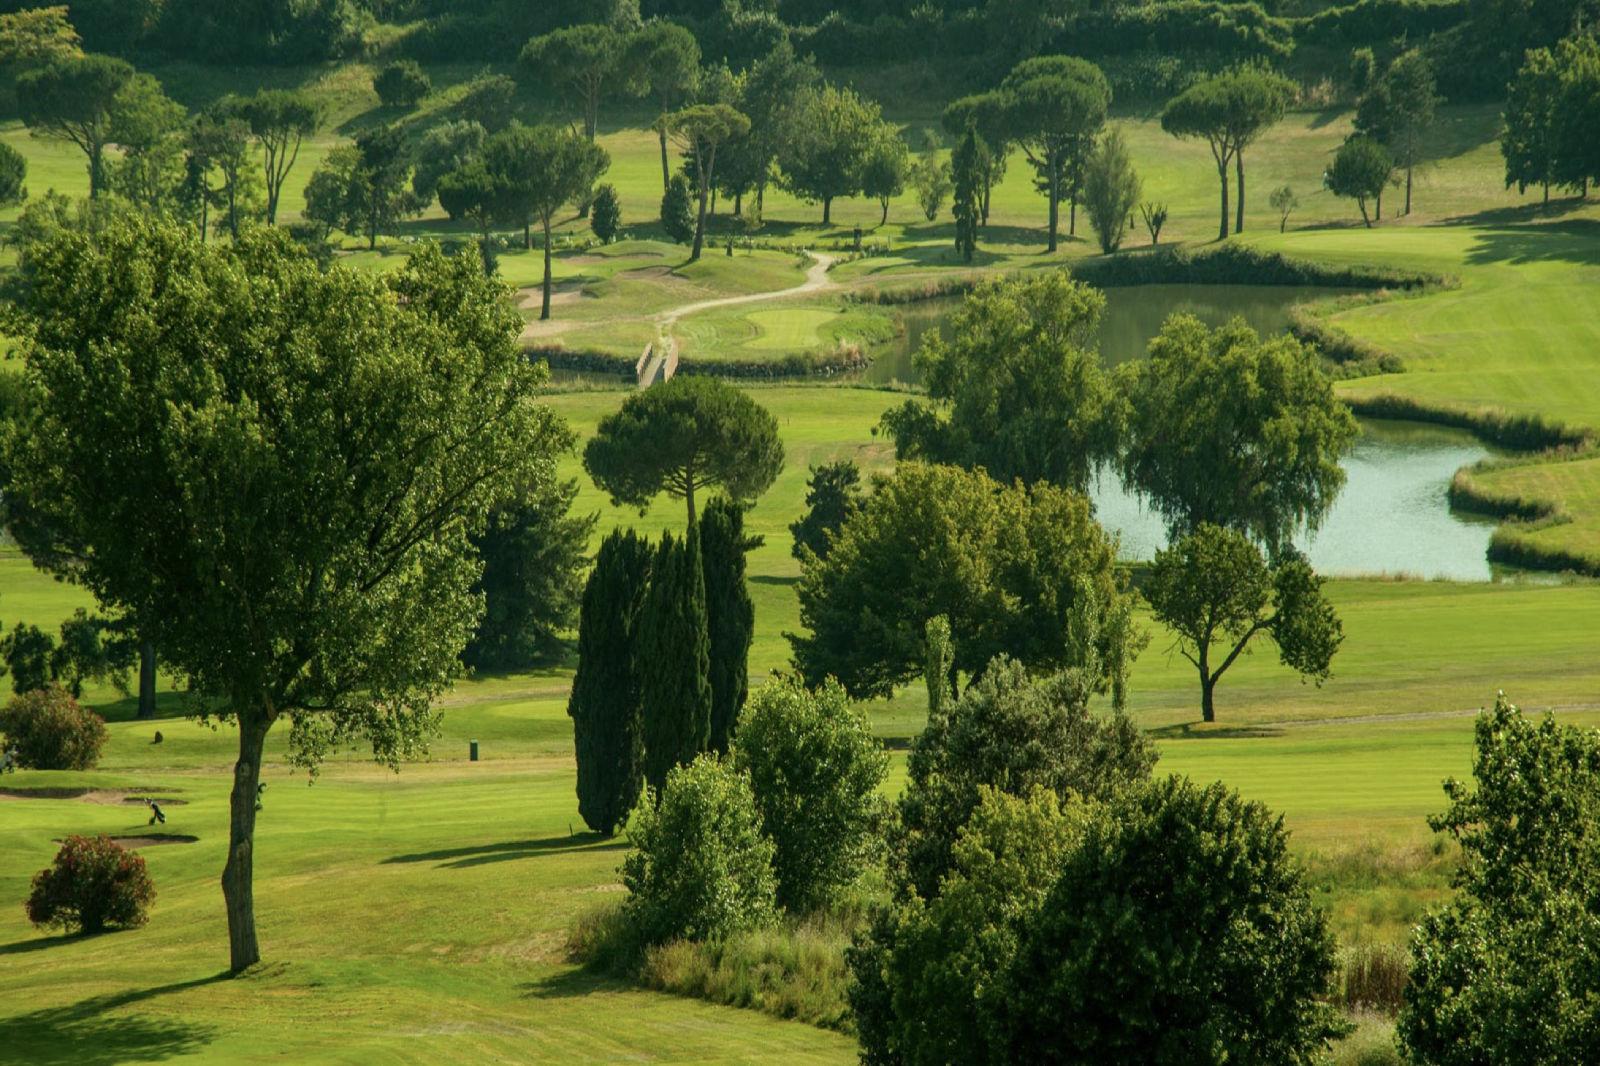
[
  {"x": 1236, "y": 31},
  {"x": 1379, "y": 21},
  {"x": 92, "y": 884},
  {"x": 402, "y": 84},
  {"x": 50, "y": 731},
  {"x": 1241, "y": 264}
]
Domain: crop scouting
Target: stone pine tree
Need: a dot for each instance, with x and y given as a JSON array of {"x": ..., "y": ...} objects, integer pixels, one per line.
[
  {"x": 730, "y": 614},
  {"x": 674, "y": 659},
  {"x": 607, "y": 727}
]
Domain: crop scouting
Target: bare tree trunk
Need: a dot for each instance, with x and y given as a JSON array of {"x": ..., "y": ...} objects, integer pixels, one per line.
[
  {"x": 1238, "y": 168},
  {"x": 544, "y": 311},
  {"x": 827, "y": 210},
  {"x": 1408, "y": 190},
  {"x": 666, "y": 172},
  {"x": 1222, "y": 173},
  {"x": 238, "y": 876},
  {"x": 1208, "y": 683},
  {"x": 1055, "y": 203},
  {"x": 147, "y": 679}
]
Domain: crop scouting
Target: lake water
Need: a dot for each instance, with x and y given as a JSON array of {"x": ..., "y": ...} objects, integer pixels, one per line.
[{"x": 1392, "y": 517}]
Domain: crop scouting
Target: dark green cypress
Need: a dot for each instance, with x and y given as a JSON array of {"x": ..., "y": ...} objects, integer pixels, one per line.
[
  {"x": 607, "y": 726},
  {"x": 730, "y": 614},
  {"x": 674, "y": 659}
]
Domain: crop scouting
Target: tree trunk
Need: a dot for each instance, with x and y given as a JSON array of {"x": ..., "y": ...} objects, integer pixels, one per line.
[
  {"x": 1222, "y": 173},
  {"x": 1238, "y": 169},
  {"x": 147, "y": 679},
  {"x": 1054, "y": 181},
  {"x": 713, "y": 210},
  {"x": 1378, "y": 211},
  {"x": 884, "y": 221},
  {"x": 544, "y": 311},
  {"x": 527, "y": 235},
  {"x": 1547, "y": 193},
  {"x": 738, "y": 205},
  {"x": 1208, "y": 706},
  {"x": 666, "y": 172},
  {"x": 1408, "y": 190},
  {"x": 827, "y": 210},
  {"x": 983, "y": 212},
  {"x": 238, "y": 887},
  {"x": 688, "y": 496},
  {"x": 96, "y": 163},
  {"x": 1361, "y": 202},
  {"x": 1072, "y": 215}
]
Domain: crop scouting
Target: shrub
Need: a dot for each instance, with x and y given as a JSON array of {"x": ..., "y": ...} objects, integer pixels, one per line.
[
  {"x": 93, "y": 883},
  {"x": 815, "y": 768},
  {"x": 605, "y": 214},
  {"x": 402, "y": 84},
  {"x": 27, "y": 651},
  {"x": 1110, "y": 191},
  {"x": 701, "y": 868},
  {"x": 677, "y": 210},
  {"x": 488, "y": 101},
  {"x": 13, "y": 174},
  {"x": 50, "y": 731}
]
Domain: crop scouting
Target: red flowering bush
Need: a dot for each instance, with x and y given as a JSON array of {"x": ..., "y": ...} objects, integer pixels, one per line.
[{"x": 93, "y": 883}]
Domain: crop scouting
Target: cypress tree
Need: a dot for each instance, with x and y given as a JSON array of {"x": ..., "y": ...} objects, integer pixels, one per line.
[
  {"x": 730, "y": 615},
  {"x": 970, "y": 163},
  {"x": 674, "y": 659},
  {"x": 605, "y": 702}
]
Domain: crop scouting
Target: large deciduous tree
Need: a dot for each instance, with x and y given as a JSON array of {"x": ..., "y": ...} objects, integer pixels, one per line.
[
  {"x": 1361, "y": 170},
  {"x": 73, "y": 99},
  {"x": 280, "y": 120},
  {"x": 664, "y": 58},
  {"x": 883, "y": 172},
  {"x": 1022, "y": 571},
  {"x": 1229, "y": 111},
  {"x": 1227, "y": 428},
  {"x": 701, "y": 130},
  {"x": 1055, "y": 108},
  {"x": 833, "y": 135},
  {"x": 1017, "y": 389},
  {"x": 314, "y": 450},
  {"x": 688, "y": 435},
  {"x": 730, "y": 613},
  {"x": 674, "y": 659},
  {"x": 1398, "y": 109},
  {"x": 607, "y": 726},
  {"x": 1217, "y": 593},
  {"x": 581, "y": 63}
]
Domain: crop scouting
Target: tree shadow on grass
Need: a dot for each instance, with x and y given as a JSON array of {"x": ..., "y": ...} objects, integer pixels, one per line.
[
  {"x": 1200, "y": 731},
  {"x": 574, "y": 984},
  {"x": 87, "y": 1033},
  {"x": 510, "y": 850},
  {"x": 1576, "y": 241},
  {"x": 772, "y": 579}
]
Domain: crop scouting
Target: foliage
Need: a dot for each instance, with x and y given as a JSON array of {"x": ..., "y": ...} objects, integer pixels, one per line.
[
  {"x": 969, "y": 165},
  {"x": 489, "y": 101},
  {"x": 534, "y": 551},
  {"x": 1227, "y": 428},
  {"x": 1285, "y": 202},
  {"x": 1398, "y": 108},
  {"x": 832, "y": 496},
  {"x": 883, "y": 173},
  {"x": 833, "y": 136},
  {"x": 664, "y": 58},
  {"x": 1016, "y": 389},
  {"x": 27, "y": 651},
  {"x": 1012, "y": 733},
  {"x": 930, "y": 973},
  {"x": 931, "y": 178},
  {"x": 49, "y": 730},
  {"x": 701, "y": 130},
  {"x": 730, "y": 614},
  {"x": 364, "y": 190},
  {"x": 581, "y": 63},
  {"x": 1506, "y": 971},
  {"x": 92, "y": 649},
  {"x": 36, "y": 37},
  {"x": 815, "y": 769},
  {"x": 1361, "y": 171},
  {"x": 673, "y": 654},
  {"x": 1155, "y": 217},
  {"x": 1055, "y": 107},
  {"x": 444, "y": 149},
  {"x": 1110, "y": 190},
  {"x": 1229, "y": 111},
  {"x": 687, "y": 435},
  {"x": 701, "y": 868},
  {"x": 73, "y": 99},
  {"x": 362, "y": 597},
  {"x": 607, "y": 727},
  {"x": 1010, "y": 566},
  {"x": 402, "y": 84},
  {"x": 1214, "y": 588},
  {"x": 1178, "y": 930},
  {"x": 605, "y": 214},
  {"x": 13, "y": 176},
  {"x": 279, "y": 120},
  {"x": 1553, "y": 99},
  {"x": 677, "y": 210},
  {"x": 92, "y": 883}
]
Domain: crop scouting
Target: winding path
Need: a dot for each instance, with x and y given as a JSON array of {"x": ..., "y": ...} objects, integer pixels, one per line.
[{"x": 817, "y": 280}]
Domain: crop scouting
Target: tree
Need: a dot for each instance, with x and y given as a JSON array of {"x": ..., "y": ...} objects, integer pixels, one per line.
[
  {"x": 1285, "y": 202},
  {"x": 489, "y": 100},
  {"x": 677, "y": 210},
  {"x": 1020, "y": 28},
  {"x": 1178, "y": 930},
  {"x": 833, "y": 136},
  {"x": 607, "y": 727},
  {"x": 27, "y": 651},
  {"x": 92, "y": 648},
  {"x": 1017, "y": 389},
  {"x": 815, "y": 769},
  {"x": 1577, "y": 151},
  {"x": 1399, "y": 108},
  {"x": 13, "y": 176},
  {"x": 883, "y": 172},
  {"x": 474, "y": 194},
  {"x": 73, "y": 99},
  {"x": 145, "y": 124},
  {"x": 444, "y": 149},
  {"x": 220, "y": 140},
  {"x": 1012, "y": 733},
  {"x": 360, "y": 599},
  {"x": 1155, "y": 217},
  {"x": 605, "y": 216},
  {"x": 1110, "y": 190},
  {"x": 46, "y": 728},
  {"x": 1227, "y": 428},
  {"x": 1229, "y": 111},
  {"x": 833, "y": 492},
  {"x": 542, "y": 169},
  {"x": 1506, "y": 970},
  {"x": 534, "y": 551},
  {"x": 1546, "y": 108},
  {"x": 969, "y": 163},
  {"x": 34, "y": 38},
  {"x": 701, "y": 868},
  {"x": 701, "y": 129},
  {"x": 930, "y": 176},
  {"x": 280, "y": 120},
  {"x": 986, "y": 114},
  {"x": 1055, "y": 108},
  {"x": 665, "y": 58},
  {"x": 774, "y": 92},
  {"x": 730, "y": 614},
  {"x": 402, "y": 84},
  {"x": 1012, "y": 567},
  {"x": 1361, "y": 170},
  {"x": 1216, "y": 593},
  {"x": 580, "y": 62},
  {"x": 674, "y": 659},
  {"x": 93, "y": 883},
  {"x": 687, "y": 435}
]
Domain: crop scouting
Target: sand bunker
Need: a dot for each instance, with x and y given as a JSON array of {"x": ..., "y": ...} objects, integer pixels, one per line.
[{"x": 112, "y": 796}]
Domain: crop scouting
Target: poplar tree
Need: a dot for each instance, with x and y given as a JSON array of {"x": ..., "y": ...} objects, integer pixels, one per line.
[
  {"x": 730, "y": 614},
  {"x": 607, "y": 728},
  {"x": 674, "y": 659}
]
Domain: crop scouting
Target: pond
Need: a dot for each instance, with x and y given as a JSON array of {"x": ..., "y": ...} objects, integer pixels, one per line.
[{"x": 1392, "y": 517}]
